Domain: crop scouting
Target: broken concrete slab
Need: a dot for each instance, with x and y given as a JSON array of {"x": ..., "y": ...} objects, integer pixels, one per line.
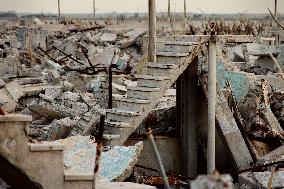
[
  {"x": 116, "y": 164},
  {"x": 9, "y": 67},
  {"x": 7, "y": 102},
  {"x": 276, "y": 155},
  {"x": 135, "y": 33},
  {"x": 2, "y": 83},
  {"x": 261, "y": 179},
  {"x": 104, "y": 58},
  {"x": 60, "y": 129},
  {"x": 108, "y": 37},
  {"x": 36, "y": 89},
  {"x": 53, "y": 93},
  {"x": 230, "y": 130},
  {"x": 15, "y": 90},
  {"x": 125, "y": 43}
]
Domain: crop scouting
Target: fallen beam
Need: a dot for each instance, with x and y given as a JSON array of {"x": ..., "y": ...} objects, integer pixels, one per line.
[{"x": 229, "y": 129}]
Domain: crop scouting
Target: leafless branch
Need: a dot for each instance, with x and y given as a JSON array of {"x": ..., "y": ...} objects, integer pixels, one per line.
[{"x": 277, "y": 22}]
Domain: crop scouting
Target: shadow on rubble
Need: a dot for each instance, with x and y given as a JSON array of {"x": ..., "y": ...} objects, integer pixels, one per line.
[{"x": 15, "y": 177}]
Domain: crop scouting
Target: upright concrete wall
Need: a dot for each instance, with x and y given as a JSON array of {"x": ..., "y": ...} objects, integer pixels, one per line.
[{"x": 187, "y": 112}]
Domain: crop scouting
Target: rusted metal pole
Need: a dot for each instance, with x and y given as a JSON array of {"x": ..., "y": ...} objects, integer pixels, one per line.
[
  {"x": 113, "y": 65},
  {"x": 110, "y": 87},
  {"x": 211, "y": 103},
  {"x": 2, "y": 112},
  {"x": 99, "y": 141},
  {"x": 152, "y": 31},
  {"x": 157, "y": 154}
]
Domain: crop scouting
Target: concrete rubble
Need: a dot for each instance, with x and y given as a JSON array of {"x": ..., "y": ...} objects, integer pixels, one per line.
[
  {"x": 213, "y": 181},
  {"x": 116, "y": 164},
  {"x": 261, "y": 179},
  {"x": 58, "y": 72}
]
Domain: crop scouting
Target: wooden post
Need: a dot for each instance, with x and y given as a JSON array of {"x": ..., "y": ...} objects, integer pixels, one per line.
[
  {"x": 59, "y": 12},
  {"x": 152, "y": 31},
  {"x": 185, "y": 16},
  {"x": 94, "y": 6},
  {"x": 275, "y": 9},
  {"x": 169, "y": 8}
]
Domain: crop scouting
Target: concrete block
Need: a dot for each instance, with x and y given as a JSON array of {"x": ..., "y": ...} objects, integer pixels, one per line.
[
  {"x": 7, "y": 102},
  {"x": 15, "y": 90},
  {"x": 135, "y": 33},
  {"x": 104, "y": 58},
  {"x": 212, "y": 182},
  {"x": 108, "y": 37},
  {"x": 9, "y": 67},
  {"x": 45, "y": 147},
  {"x": 261, "y": 179},
  {"x": 2, "y": 83}
]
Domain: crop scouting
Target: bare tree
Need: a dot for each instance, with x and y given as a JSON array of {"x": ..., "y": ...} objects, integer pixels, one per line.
[{"x": 275, "y": 19}]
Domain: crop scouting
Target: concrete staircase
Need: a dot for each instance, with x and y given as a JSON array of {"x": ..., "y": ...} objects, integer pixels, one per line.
[
  {"x": 172, "y": 60},
  {"x": 34, "y": 165}
]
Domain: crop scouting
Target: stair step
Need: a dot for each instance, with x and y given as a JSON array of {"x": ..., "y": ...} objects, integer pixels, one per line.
[
  {"x": 118, "y": 124},
  {"x": 131, "y": 104},
  {"x": 117, "y": 128},
  {"x": 150, "y": 81},
  {"x": 120, "y": 115},
  {"x": 161, "y": 65},
  {"x": 160, "y": 69},
  {"x": 111, "y": 137},
  {"x": 177, "y": 48},
  {"x": 112, "y": 140},
  {"x": 172, "y": 54},
  {"x": 71, "y": 175},
  {"x": 151, "y": 77},
  {"x": 45, "y": 146},
  {"x": 180, "y": 43},
  {"x": 143, "y": 89},
  {"x": 144, "y": 93}
]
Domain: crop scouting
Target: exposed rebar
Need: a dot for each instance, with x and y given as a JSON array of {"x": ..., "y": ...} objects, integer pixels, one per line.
[
  {"x": 99, "y": 141},
  {"x": 156, "y": 151}
]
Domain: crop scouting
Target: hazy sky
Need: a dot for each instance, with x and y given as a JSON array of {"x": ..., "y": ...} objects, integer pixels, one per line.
[{"x": 86, "y": 6}]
